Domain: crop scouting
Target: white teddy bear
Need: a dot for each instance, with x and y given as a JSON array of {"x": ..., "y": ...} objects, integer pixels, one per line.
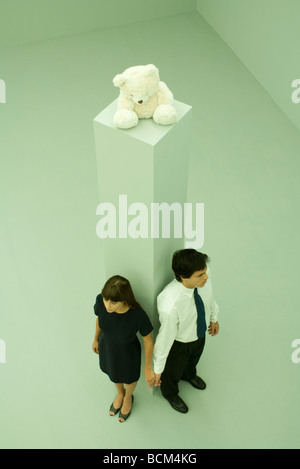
[{"x": 142, "y": 96}]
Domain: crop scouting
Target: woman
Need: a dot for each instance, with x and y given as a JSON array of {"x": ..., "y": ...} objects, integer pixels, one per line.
[{"x": 119, "y": 319}]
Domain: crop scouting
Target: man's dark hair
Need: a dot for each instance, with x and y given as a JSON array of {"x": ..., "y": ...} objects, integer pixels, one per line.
[{"x": 187, "y": 261}]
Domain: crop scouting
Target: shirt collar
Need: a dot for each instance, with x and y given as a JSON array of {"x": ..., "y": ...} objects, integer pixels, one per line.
[{"x": 186, "y": 291}]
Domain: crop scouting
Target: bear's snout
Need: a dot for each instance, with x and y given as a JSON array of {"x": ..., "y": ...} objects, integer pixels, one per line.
[{"x": 140, "y": 101}]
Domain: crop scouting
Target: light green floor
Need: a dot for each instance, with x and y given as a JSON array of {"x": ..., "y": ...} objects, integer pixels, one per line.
[{"x": 244, "y": 167}]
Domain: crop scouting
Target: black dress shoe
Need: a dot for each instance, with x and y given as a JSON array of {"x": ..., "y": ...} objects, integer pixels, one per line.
[
  {"x": 178, "y": 404},
  {"x": 197, "y": 382}
]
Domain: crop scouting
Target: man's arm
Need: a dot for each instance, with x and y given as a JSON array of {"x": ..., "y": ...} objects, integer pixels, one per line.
[
  {"x": 163, "y": 343},
  {"x": 213, "y": 328}
]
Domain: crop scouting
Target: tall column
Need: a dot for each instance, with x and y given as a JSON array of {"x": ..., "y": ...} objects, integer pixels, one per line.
[{"x": 138, "y": 169}]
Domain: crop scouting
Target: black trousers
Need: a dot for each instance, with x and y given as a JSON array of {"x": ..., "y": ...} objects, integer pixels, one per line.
[{"x": 181, "y": 364}]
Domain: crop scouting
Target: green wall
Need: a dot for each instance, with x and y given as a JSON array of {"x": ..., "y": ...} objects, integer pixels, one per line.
[
  {"x": 25, "y": 21},
  {"x": 244, "y": 166},
  {"x": 265, "y": 36}
]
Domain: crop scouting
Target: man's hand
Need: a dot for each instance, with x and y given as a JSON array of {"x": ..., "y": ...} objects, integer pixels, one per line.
[
  {"x": 213, "y": 328},
  {"x": 157, "y": 379}
]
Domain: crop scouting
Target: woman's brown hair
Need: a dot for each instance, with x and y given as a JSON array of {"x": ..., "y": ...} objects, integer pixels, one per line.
[{"x": 118, "y": 288}]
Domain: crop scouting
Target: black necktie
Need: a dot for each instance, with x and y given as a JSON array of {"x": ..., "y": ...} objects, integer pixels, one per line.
[{"x": 201, "y": 323}]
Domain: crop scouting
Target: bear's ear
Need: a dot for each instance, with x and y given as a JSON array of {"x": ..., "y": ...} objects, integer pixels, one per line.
[
  {"x": 119, "y": 80},
  {"x": 151, "y": 70}
]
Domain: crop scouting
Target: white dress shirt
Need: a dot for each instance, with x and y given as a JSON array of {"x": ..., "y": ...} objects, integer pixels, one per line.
[{"x": 178, "y": 317}]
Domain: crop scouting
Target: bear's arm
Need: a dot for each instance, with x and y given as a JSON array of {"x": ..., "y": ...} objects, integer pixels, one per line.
[
  {"x": 165, "y": 96},
  {"x": 125, "y": 103}
]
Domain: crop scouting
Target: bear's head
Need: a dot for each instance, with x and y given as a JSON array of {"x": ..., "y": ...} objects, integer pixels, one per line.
[{"x": 138, "y": 83}]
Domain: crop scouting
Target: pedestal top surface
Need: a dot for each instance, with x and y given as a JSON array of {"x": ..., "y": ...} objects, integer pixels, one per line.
[{"x": 147, "y": 130}]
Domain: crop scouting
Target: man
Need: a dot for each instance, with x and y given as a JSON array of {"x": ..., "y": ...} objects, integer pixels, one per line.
[{"x": 187, "y": 310}]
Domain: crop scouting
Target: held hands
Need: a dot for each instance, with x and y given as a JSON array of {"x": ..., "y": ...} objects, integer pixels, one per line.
[
  {"x": 152, "y": 378},
  {"x": 157, "y": 379}
]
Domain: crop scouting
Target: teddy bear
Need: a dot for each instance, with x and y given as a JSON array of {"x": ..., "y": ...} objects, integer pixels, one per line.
[{"x": 142, "y": 96}]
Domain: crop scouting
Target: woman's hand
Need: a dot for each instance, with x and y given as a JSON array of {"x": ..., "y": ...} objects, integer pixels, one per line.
[
  {"x": 95, "y": 346},
  {"x": 150, "y": 377}
]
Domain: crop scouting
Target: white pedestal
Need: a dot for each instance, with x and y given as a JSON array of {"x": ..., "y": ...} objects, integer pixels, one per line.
[{"x": 146, "y": 164}]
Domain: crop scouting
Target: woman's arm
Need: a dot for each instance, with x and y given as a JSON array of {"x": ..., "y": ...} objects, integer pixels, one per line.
[
  {"x": 149, "y": 373},
  {"x": 95, "y": 346}
]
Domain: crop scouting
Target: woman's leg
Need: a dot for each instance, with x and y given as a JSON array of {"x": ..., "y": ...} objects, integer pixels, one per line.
[
  {"x": 127, "y": 403},
  {"x": 120, "y": 396}
]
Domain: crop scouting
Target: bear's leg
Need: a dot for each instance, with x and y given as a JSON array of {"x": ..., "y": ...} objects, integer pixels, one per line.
[
  {"x": 125, "y": 119},
  {"x": 165, "y": 114}
]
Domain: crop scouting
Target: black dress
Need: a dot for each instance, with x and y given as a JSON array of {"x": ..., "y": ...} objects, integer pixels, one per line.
[{"x": 119, "y": 346}]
